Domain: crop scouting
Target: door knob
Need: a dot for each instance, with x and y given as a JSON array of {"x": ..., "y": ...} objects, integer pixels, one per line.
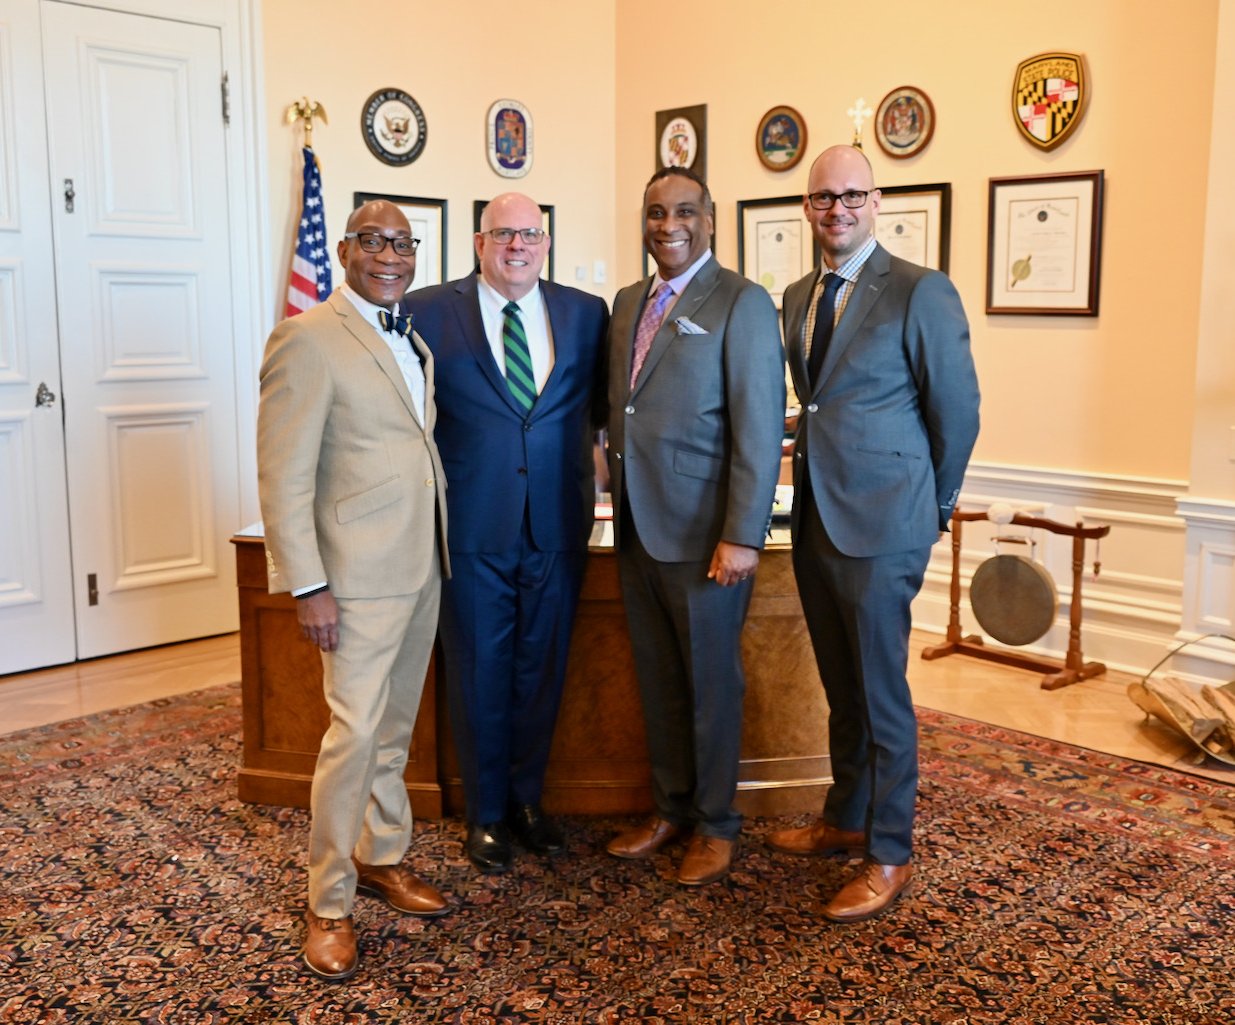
[{"x": 44, "y": 396}]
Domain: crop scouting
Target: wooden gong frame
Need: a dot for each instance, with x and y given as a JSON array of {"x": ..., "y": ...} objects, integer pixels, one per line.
[{"x": 1073, "y": 668}]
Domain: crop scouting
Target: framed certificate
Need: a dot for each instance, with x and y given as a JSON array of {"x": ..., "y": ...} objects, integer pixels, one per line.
[
  {"x": 775, "y": 244},
  {"x": 915, "y": 223},
  {"x": 1044, "y": 244}
]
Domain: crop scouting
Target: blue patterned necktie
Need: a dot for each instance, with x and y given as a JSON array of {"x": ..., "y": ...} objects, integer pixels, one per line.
[
  {"x": 519, "y": 377},
  {"x": 825, "y": 314}
]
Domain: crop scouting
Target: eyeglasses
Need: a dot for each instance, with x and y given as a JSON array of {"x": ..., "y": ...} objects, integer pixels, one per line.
[
  {"x": 504, "y": 236},
  {"x": 372, "y": 242},
  {"x": 851, "y": 200}
]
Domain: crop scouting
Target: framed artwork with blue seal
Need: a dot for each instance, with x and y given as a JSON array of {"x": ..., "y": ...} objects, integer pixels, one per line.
[
  {"x": 393, "y": 126},
  {"x": 780, "y": 139},
  {"x": 508, "y": 130}
]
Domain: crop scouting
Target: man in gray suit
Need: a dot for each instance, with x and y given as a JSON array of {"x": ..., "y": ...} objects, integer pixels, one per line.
[
  {"x": 879, "y": 353},
  {"x": 696, "y": 400}
]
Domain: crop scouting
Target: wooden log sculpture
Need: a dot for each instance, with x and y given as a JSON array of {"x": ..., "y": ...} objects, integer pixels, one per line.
[{"x": 1073, "y": 668}]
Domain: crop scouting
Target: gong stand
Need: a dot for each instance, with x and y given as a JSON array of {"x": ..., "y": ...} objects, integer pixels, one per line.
[{"x": 1073, "y": 668}]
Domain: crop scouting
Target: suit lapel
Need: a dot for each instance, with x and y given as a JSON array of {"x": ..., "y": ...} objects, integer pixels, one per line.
[
  {"x": 866, "y": 292},
  {"x": 366, "y": 334},
  {"x": 558, "y": 316},
  {"x": 688, "y": 304},
  {"x": 796, "y": 299},
  {"x": 472, "y": 331}
]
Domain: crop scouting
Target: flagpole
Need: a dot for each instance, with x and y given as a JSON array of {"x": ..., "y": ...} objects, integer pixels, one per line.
[{"x": 309, "y": 279}]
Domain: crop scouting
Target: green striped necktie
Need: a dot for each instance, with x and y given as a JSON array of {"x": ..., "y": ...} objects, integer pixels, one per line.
[{"x": 519, "y": 377}]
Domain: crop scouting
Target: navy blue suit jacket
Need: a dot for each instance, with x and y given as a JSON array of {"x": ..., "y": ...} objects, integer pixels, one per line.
[{"x": 498, "y": 461}]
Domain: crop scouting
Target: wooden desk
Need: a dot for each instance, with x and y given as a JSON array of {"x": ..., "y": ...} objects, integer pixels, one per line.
[{"x": 599, "y": 759}]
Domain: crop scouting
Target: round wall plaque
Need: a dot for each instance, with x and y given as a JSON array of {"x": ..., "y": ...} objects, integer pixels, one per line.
[{"x": 393, "y": 126}]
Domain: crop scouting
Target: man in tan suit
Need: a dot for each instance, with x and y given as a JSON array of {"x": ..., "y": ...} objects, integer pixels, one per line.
[{"x": 352, "y": 498}]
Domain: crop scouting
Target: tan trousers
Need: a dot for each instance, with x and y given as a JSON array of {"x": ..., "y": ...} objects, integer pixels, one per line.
[{"x": 373, "y": 683}]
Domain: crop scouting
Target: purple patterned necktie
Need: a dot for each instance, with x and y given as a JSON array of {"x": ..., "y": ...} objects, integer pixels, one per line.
[{"x": 649, "y": 324}]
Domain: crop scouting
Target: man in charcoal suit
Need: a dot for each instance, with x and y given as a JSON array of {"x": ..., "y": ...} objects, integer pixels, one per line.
[
  {"x": 519, "y": 393},
  {"x": 697, "y": 405},
  {"x": 352, "y": 503},
  {"x": 879, "y": 353}
]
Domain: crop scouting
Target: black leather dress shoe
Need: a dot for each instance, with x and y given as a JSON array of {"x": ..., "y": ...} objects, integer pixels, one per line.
[
  {"x": 535, "y": 830},
  {"x": 488, "y": 846}
]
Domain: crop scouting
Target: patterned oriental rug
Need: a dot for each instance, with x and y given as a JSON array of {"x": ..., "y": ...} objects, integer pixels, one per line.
[{"x": 1055, "y": 886}]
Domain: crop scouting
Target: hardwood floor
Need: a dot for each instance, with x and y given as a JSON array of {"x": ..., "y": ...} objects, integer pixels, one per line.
[{"x": 1095, "y": 713}]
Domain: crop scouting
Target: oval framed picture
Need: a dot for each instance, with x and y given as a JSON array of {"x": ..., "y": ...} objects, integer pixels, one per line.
[
  {"x": 679, "y": 143},
  {"x": 509, "y": 132},
  {"x": 904, "y": 122},
  {"x": 394, "y": 127},
  {"x": 780, "y": 139}
]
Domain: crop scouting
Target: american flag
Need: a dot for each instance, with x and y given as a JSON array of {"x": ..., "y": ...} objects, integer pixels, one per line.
[{"x": 309, "y": 282}]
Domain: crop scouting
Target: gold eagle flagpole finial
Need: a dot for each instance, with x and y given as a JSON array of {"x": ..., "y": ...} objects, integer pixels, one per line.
[{"x": 306, "y": 110}]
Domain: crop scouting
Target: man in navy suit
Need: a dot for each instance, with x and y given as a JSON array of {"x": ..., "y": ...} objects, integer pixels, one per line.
[
  {"x": 879, "y": 353},
  {"x": 520, "y": 390}
]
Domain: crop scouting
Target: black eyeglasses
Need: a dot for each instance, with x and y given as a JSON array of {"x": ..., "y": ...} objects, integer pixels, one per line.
[
  {"x": 851, "y": 200},
  {"x": 504, "y": 236},
  {"x": 372, "y": 242}
]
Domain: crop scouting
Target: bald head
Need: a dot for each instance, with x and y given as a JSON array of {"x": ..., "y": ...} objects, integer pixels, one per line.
[
  {"x": 841, "y": 230},
  {"x": 511, "y": 268},
  {"x": 378, "y": 210}
]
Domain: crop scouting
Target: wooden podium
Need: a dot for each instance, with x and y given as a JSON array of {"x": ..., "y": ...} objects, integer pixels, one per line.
[{"x": 599, "y": 759}]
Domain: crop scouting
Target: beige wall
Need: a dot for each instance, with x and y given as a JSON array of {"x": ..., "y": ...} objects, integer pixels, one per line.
[
  {"x": 1111, "y": 394},
  {"x": 455, "y": 61}
]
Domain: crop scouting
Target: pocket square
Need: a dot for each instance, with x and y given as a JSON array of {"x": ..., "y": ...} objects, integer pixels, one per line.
[{"x": 686, "y": 326}]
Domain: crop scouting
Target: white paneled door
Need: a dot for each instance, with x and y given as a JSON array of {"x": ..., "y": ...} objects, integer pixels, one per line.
[
  {"x": 138, "y": 220},
  {"x": 36, "y": 595}
]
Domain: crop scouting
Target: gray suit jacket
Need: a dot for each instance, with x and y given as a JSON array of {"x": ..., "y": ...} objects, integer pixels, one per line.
[
  {"x": 351, "y": 485},
  {"x": 888, "y": 428},
  {"x": 695, "y": 447}
]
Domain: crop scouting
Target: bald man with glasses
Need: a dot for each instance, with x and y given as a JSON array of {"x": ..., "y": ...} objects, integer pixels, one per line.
[
  {"x": 520, "y": 391},
  {"x": 879, "y": 353}
]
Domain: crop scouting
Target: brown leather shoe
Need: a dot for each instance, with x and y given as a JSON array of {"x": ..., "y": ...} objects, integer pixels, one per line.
[
  {"x": 330, "y": 947},
  {"x": 817, "y": 838},
  {"x": 645, "y": 840},
  {"x": 399, "y": 888},
  {"x": 707, "y": 859},
  {"x": 870, "y": 893}
]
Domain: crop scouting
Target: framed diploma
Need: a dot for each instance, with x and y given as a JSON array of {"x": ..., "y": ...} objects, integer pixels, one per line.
[
  {"x": 775, "y": 244},
  {"x": 915, "y": 223},
  {"x": 427, "y": 218},
  {"x": 1044, "y": 244}
]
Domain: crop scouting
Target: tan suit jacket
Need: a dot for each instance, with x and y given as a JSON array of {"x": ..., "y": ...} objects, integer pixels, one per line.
[{"x": 350, "y": 481}]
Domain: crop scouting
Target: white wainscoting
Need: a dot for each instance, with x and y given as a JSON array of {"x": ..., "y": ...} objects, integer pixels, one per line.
[{"x": 1167, "y": 552}]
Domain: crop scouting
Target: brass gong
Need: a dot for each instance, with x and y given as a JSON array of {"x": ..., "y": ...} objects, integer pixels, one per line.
[{"x": 1012, "y": 597}]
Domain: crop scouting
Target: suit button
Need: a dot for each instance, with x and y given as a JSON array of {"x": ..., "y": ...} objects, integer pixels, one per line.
[
  {"x": 629, "y": 410},
  {"x": 429, "y": 482},
  {"x": 619, "y": 455},
  {"x": 523, "y": 471},
  {"x": 813, "y": 408},
  {"x": 527, "y": 427}
]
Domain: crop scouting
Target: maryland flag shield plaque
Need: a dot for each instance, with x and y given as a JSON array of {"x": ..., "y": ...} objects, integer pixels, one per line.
[{"x": 1049, "y": 95}]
